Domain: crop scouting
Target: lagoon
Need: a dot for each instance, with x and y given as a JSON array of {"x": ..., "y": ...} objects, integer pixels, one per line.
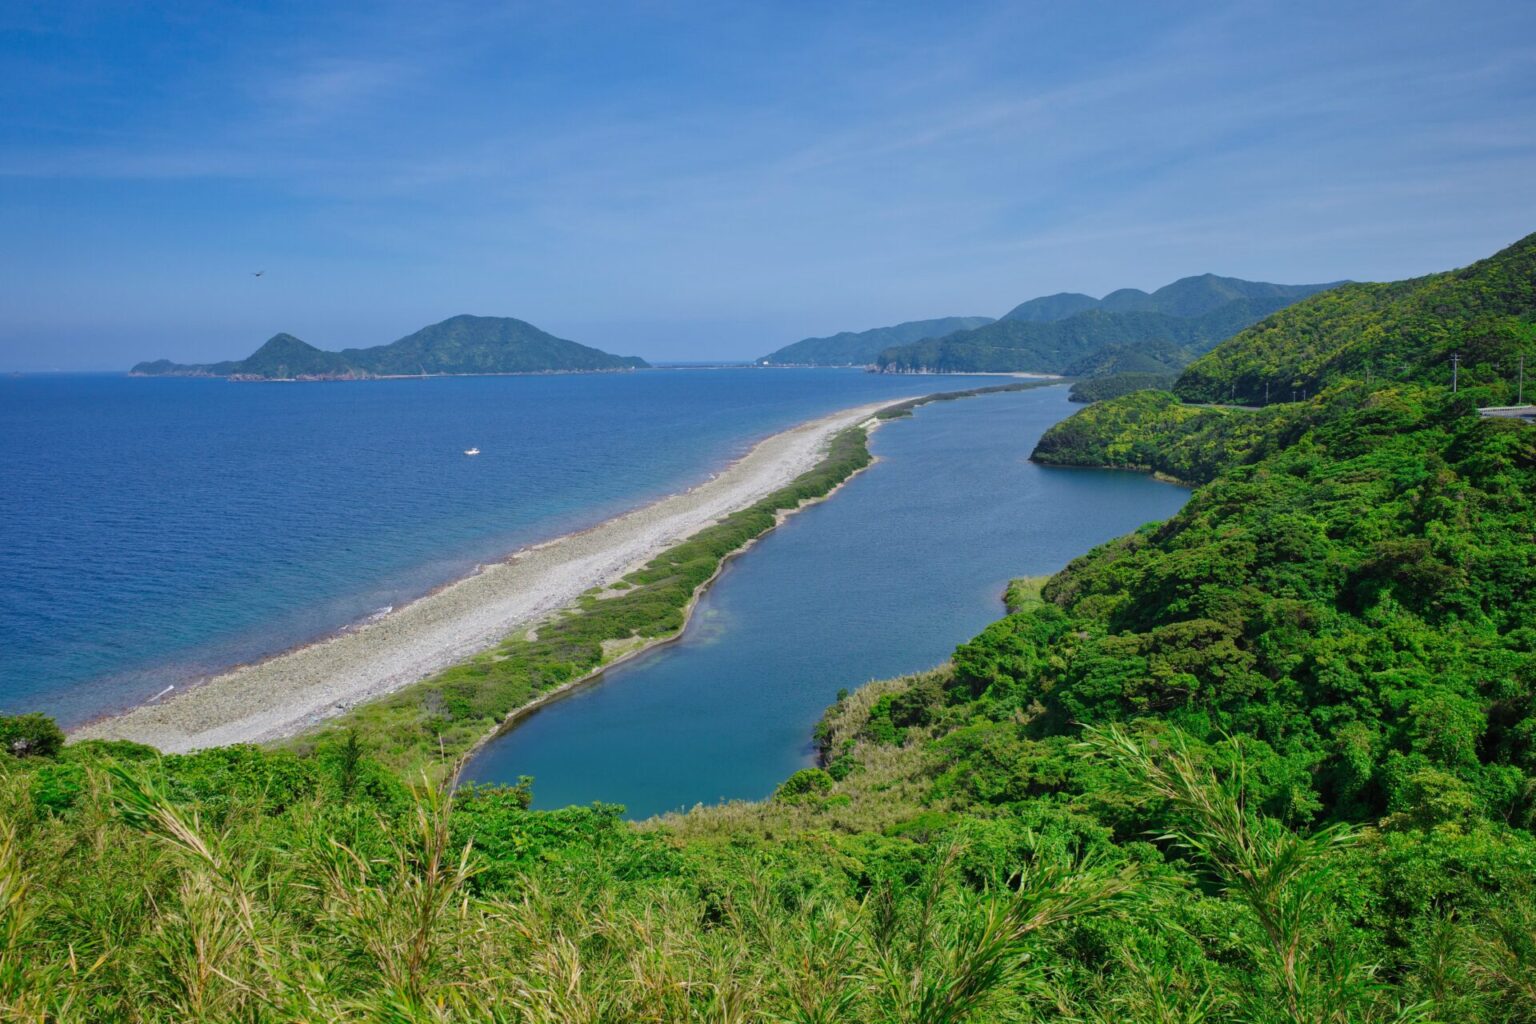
[{"x": 910, "y": 558}]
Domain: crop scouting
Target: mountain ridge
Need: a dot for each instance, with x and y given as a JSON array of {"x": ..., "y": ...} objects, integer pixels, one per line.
[{"x": 1054, "y": 333}]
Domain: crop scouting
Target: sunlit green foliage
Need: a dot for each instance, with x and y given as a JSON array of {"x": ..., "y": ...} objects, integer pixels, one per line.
[
  {"x": 1400, "y": 332},
  {"x": 1153, "y": 430}
]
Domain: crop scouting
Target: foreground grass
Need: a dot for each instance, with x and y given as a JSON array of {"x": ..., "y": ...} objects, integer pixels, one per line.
[
  {"x": 249, "y": 886},
  {"x": 259, "y": 886}
]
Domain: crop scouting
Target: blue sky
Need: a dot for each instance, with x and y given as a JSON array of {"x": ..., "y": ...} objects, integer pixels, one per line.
[{"x": 689, "y": 181}]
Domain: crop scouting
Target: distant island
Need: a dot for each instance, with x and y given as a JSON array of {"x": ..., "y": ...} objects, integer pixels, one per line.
[{"x": 459, "y": 345}]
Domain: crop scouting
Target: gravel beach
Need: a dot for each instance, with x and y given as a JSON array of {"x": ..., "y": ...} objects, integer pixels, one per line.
[{"x": 295, "y": 690}]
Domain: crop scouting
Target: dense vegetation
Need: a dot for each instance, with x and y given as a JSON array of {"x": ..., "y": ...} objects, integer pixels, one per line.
[
  {"x": 1405, "y": 332},
  {"x": 460, "y": 344},
  {"x": 1152, "y": 430},
  {"x": 1273, "y": 760},
  {"x": 1127, "y": 330},
  {"x": 1097, "y": 389},
  {"x": 859, "y": 348}
]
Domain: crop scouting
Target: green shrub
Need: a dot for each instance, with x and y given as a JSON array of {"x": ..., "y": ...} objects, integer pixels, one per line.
[
  {"x": 803, "y": 782},
  {"x": 30, "y": 735}
]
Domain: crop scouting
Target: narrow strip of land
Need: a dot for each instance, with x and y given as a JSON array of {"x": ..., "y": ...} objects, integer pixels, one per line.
[{"x": 296, "y": 690}]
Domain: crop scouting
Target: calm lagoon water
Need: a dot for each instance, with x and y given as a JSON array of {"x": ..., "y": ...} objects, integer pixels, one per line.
[
  {"x": 908, "y": 560},
  {"x": 156, "y": 530}
]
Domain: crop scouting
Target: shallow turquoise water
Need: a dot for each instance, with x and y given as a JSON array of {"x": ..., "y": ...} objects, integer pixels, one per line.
[
  {"x": 154, "y": 530},
  {"x": 907, "y": 560}
]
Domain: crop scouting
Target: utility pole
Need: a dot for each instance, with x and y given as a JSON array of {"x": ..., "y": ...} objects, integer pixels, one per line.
[
  {"x": 1266, "y": 392},
  {"x": 1520, "y": 389},
  {"x": 1455, "y": 370}
]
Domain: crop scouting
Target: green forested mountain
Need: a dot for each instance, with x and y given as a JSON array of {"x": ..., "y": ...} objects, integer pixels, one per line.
[
  {"x": 1405, "y": 331},
  {"x": 460, "y": 344},
  {"x": 1051, "y": 347},
  {"x": 1051, "y": 307},
  {"x": 1271, "y": 761},
  {"x": 850, "y": 348}
]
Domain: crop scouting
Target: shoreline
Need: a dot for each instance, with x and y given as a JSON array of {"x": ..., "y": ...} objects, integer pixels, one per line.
[{"x": 298, "y": 689}]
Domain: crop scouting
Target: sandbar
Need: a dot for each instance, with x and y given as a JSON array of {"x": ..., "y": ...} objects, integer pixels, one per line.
[{"x": 296, "y": 690}]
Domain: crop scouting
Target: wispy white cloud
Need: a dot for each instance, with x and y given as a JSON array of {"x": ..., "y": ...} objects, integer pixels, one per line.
[
  {"x": 320, "y": 91},
  {"x": 834, "y": 167}
]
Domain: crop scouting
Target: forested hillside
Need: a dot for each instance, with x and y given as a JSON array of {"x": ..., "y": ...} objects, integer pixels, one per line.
[
  {"x": 1406, "y": 332},
  {"x": 1273, "y": 760},
  {"x": 1126, "y": 330}
]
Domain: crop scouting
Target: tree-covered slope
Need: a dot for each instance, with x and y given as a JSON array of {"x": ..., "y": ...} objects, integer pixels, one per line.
[
  {"x": 1405, "y": 331},
  {"x": 1152, "y": 430},
  {"x": 1051, "y": 347},
  {"x": 458, "y": 345},
  {"x": 859, "y": 348},
  {"x": 1355, "y": 583}
]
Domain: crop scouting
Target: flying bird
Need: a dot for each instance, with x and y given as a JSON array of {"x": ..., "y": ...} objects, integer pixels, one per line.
[{"x": 257, "y": 273}]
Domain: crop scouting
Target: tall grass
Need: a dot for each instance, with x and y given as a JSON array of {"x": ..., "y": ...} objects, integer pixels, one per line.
[
  {"x": 240, "y": 885},
  {"x": 277, "y": 919}
]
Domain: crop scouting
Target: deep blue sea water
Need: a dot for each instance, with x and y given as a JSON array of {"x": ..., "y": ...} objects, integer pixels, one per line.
[
  {"x": 157, "y": 530},
  {"x": 910, "y": 558}
]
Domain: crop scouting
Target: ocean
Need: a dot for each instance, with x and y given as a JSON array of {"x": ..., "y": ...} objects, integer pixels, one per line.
[{"x": 158, "y": 530}]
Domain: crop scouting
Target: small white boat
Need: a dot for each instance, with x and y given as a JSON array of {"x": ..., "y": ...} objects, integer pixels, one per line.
[{"x": 471, "y": 451}]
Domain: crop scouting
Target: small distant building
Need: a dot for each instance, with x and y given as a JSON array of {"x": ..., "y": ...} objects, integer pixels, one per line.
[{"x": 1509, "y": 412}]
